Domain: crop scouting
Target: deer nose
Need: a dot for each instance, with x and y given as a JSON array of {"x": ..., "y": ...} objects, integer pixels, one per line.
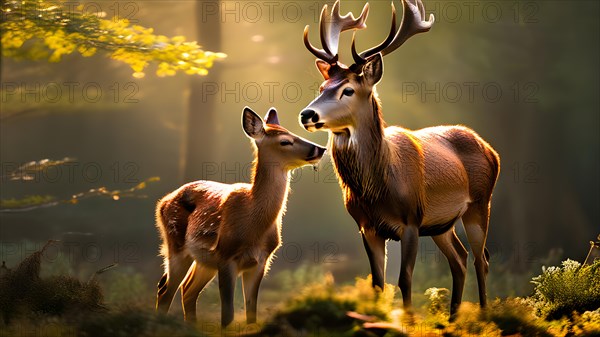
[{"x": 309, "y": 114}]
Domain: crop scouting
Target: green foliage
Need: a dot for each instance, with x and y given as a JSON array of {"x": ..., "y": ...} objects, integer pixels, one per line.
[
  {"x": 439, "y": 300},
  {"x": 560, "y": 291},
  {"x": 319, "y": 306},
  {"x": 469, "y": 322},
  {"x": 30, "y": 201},
  {"x": 40, "y": 29},
  {"x": 30, "y": 170},
  {"x": 501, "y": 318},
  {"x": 322, "y": 308},
  {"x": 289, "y": 280},
  {"x": 514, "y": 316},
  {"x": 24, "y": 293},
  {"x": 135, "y": 321},
  {"x": 587, "y": 324},
  {"x": 28, "y": 173},
  {"x": 63, "y": 305},
  {"x": 126, "y": 288},
  {"x": 369, "y": 302}
]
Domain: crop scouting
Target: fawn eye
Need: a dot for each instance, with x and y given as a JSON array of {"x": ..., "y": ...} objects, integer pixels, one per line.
[
  {"x": 285, "y": 143},
  {"x": 348, "y": 92}
]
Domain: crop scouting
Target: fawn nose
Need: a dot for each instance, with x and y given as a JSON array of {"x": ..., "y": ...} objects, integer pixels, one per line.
[
  {"x": 309, "y": 114},
  {"x": 316, "y": 152}
]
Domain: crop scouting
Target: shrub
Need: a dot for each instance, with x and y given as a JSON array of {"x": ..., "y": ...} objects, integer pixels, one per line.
[
  {"x": 322, "y": 308},
  {"x": 561, "y": 291},
  {"x": 439, "y": 300},
  {"x": 515, "y": 316},
  {"x": 469, "y": 322},
  {"x": 24, "y": 293}
]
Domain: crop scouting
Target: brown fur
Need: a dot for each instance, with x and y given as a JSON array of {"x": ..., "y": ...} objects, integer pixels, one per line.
[
  {"x": 398, "y": 181},
  {"x": 209, "y": 227}
]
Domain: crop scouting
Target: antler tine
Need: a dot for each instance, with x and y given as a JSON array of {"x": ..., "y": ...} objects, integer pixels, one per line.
[
  {"x": 362, "y": 58},
  {"x": 421, "y": 8},
  {"x": 323, "y": 20},
  {"x": 331, "y": 26},
  {"x": 339, "y": 24},
  {"x": 319, "y": 53},
  {"x": 357, "y": 58},
  {"x": 412, "y": 24}
]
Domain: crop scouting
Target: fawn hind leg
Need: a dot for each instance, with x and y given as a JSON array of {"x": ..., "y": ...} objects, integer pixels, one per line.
[
  {"x": 177, "y": 268},
  {"x": 476, "y": 221},
  {"x": 196, "y": 280},
  {"x": 227, "y": 278}
]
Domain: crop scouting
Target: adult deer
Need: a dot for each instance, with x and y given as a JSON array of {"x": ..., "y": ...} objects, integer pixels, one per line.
[
  {"x": 400, "y": 184},
  {"x": 230, "y": 229}
]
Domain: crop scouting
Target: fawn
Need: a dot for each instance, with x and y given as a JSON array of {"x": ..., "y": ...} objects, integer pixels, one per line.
[{"x": 230, "y": 229}]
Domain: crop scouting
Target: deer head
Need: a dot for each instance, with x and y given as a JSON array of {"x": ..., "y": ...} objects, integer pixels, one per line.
[
  {"x": 347, "y": 94},
  {"x": 277, "y": 145}
]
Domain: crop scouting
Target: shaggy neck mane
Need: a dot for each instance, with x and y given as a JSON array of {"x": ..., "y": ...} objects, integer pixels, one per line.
[{"x": 361, "y": 155}]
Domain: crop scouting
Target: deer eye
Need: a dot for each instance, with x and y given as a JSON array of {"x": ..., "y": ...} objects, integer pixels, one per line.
[
  {"x": 286, "y": 143},
  {"x": 348, "y": 92}
]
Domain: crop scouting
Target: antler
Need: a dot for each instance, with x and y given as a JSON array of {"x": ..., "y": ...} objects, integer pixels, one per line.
[
  {"x": 412, "y": 23},
  {"x": 331, "y": 26}
]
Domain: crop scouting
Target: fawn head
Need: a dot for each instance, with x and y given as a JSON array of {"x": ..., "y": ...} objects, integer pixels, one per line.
[{"x": 277, "y": 145}]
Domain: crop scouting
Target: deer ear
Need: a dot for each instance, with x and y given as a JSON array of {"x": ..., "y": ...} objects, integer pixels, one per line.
[
  {"x": 373, "y": 70},
  {"x": 271, "y": 117},
  {"x": 323, "y": 68},
  {"x": 253, "y": 124}
]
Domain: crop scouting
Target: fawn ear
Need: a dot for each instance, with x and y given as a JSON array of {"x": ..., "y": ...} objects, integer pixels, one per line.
[
  {"x": 271, "y": 117},
  {"x": 253, "y": 124},
  {"x": 373, "y": 70},
  {"x": 323, "y": 68}
]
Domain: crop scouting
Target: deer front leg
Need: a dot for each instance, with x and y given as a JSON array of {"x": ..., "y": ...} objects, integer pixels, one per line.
[
  {"x": 375, "y": 247},
  {"x": 227, "y": 278},
  {"x": 251, "y": 280},
  {"x": 410, "y": 245}
]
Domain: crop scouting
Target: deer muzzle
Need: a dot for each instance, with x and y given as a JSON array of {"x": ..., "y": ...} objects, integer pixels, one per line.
[{"x": 309, "y": 118}]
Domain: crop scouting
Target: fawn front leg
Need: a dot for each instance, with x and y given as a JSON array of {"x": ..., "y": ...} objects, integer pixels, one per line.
[
  {"x": 227, "y": 278},
  {"x": 251, "y": 280}
]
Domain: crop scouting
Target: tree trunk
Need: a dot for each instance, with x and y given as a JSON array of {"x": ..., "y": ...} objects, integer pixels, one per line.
[
  {"x": 1, "y": 21},
  {"x": 200, "y": 126}
]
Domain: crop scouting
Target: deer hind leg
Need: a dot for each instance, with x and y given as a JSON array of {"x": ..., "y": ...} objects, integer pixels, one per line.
[
  {"x": 177, "y": 268},
  {"x": 456, "y": 254},
  {"x": 195, "y": 281},
  {"x": 410, "y": 245},
  {"x": 251, "y": 280},
  {"x": 476, "y": 220}
]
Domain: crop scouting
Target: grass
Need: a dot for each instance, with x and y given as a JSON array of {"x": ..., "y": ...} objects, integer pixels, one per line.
[{"x": 565, "y": 302}]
